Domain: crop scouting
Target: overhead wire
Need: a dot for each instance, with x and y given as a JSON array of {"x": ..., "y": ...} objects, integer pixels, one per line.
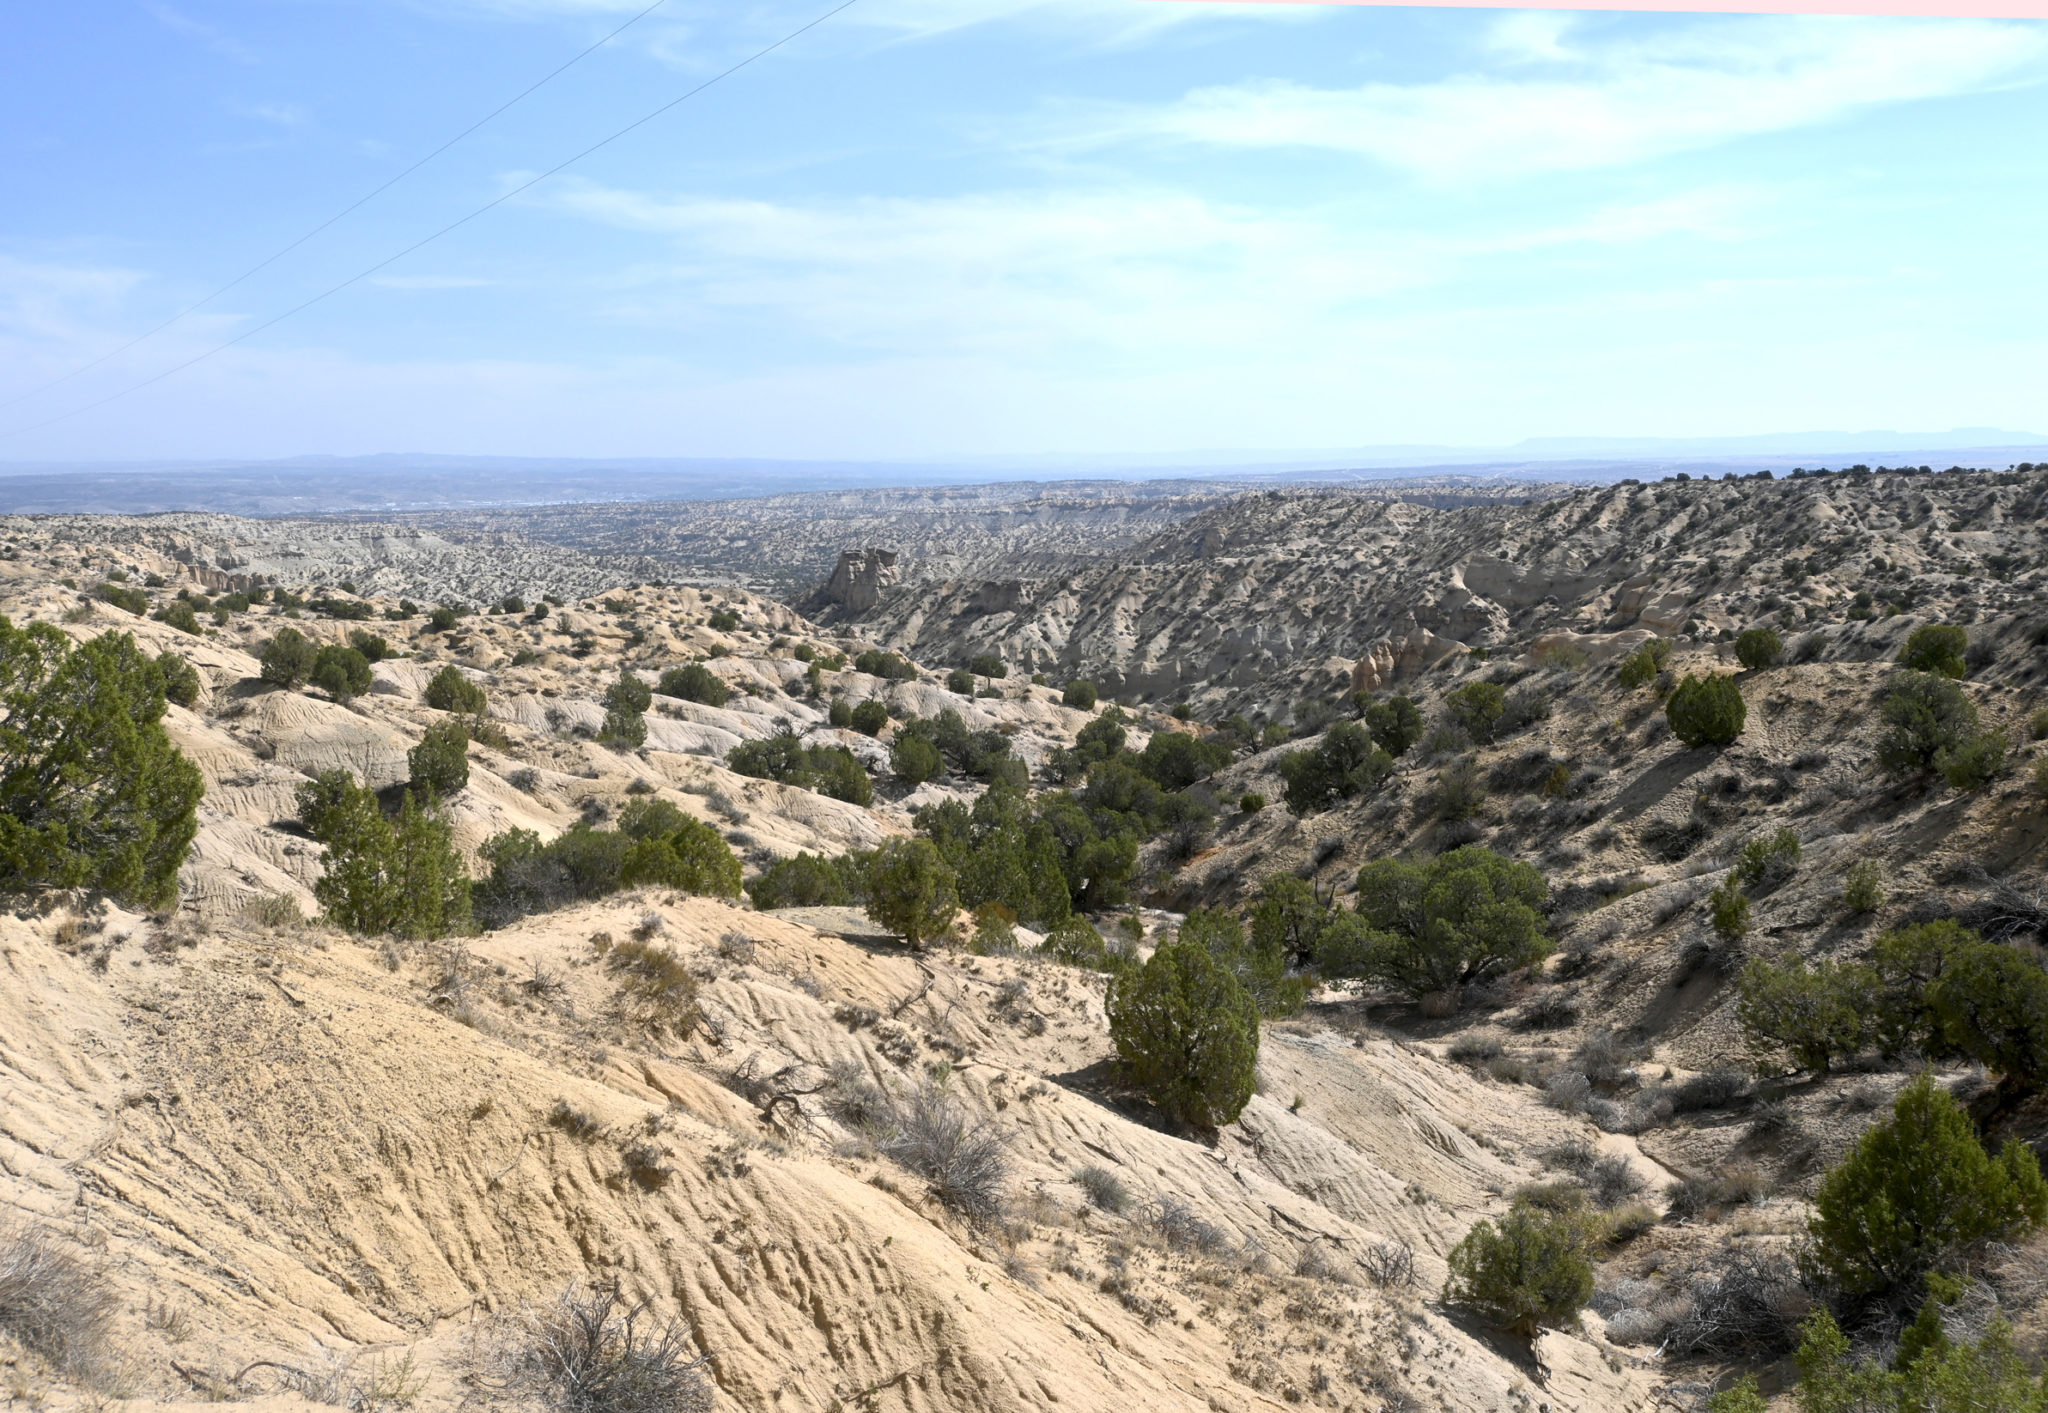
[
  {"x": 345, "y": 211},
  {"x": 424, "y": 241}
]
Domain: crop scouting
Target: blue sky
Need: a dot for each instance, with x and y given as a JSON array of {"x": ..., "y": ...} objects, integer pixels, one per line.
[{"x": 969, "y": 227}]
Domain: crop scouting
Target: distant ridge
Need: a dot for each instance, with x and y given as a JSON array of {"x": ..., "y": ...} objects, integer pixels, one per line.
[{"x": 408, "y": 481}]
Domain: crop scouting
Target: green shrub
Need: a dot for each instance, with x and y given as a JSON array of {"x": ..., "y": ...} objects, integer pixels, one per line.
[
  {"x": 1527, "y": 1270},
  {"x": 1640, "y": 668},
  {"x": 1460, "y": 791},
  {"x": 1767, "y": 862},
  {"x": 1937, "y": 647},
  {"x": 1916, "y": 1189},
  {"x": 1476, "y": 708},
  {"x": 1758, "y": 648},
  {"x": 724, "y": 620},
  {"x": 441, "y": 620},
  {"x": 340, "y": 672},
  {"x": 1178, "y": 759},
  {"x": 179, "y": 614},
  {"x": 449, "y": 690},
  {"x": 134, "y": 600},
  {"x": 287, "y": 659},
  {"x": 1863, "y": 886},
  {"x": 1394, "y": 724},
  {"x": 92, "y": 792},
  {"x": 694, "y": 682},
  {"x": 914, "y": 760},
  {"x": 1251, "y": 802},
  {"x": 1926, "y": 717},
  {"x": 1077, "y": 944},
  {"x": 2041, "y": 778},
  {"x": 1973, "y": 764},
  {"x": 1706, "y": 711},
  {"x": 829, "y": 770},
  {"x": 889, "y": 666},
  {"x": 625, "y": 729},
  {"x": 672, "y": 850},
  {"x": 1345, "y": 763},
  {"x": 960, "y": 681},
  {"x": 869, "y": 717},
  {"x": 1728, "y": 910},
  {"x": 628, "y": 694},
  {"x": 439, "y": 764},
  {"x": 1817, "y": 1014},
  {"x": 1187, "y": 1033},
  {"x": 181, "y": 679},
  {"x": 1079, "y": 694},
  {"x": 987, "y": 665},
  {"x": 403, "y": 878},
  {"x": 1991, "y": 1004},
  {"x": 370, "y": 645},
  {"x": 1259, "y": 966},
  {"x": 1434, "y": 928},
  {"x": 839, "y": 715},
  {"x": 811, "y": 881},
  {"x": 1931, "y": 1373},
  {"x": 912, "y": 891},
  {"x": 2037, "y": 726}
]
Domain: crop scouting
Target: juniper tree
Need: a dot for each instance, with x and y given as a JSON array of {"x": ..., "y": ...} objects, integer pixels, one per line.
[{"x": 92, "y": 792}]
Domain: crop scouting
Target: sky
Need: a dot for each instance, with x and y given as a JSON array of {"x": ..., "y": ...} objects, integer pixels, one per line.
[{"x": 949, "y": 228}]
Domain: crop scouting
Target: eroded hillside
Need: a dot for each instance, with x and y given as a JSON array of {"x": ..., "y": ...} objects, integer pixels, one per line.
[
  {"x": 1282, "y": 594},
  {"x": 306, "y": 1158}
]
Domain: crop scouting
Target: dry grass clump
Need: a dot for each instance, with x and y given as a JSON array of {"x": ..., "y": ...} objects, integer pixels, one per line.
[
  {"x": 1315, "y": 1263},
  {"x": 333, "y": 1377},
  {"x": 1705, "y": 1196},
  {"x": 594, "y": 1353},
  {"x": 958, "y": 1153},
  {"x": 1746, "y": 1302},
  {"x": 274, "y": 910},
  {"x": 1179, "y": 1227},
  {"x": 1388, "y": 1264},
  {"x": 575, "y": 1122},
  {"x": 57, "y": 1306},
  {"x": 655, "y": 989},
  {"x": 1104, "y": 1188}
]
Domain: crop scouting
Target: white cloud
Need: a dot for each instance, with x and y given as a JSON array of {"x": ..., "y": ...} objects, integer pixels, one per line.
[
  {"x": 1119, "y": 277},
  {"x": 1562, "y": 106},
  {"x": 1021, "y": 273}
]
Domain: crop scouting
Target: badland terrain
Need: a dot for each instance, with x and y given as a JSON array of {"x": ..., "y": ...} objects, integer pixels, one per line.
[{"x": 653, "y": 957}]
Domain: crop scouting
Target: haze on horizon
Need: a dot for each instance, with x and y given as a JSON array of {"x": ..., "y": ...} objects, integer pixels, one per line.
[{"x": 940, "y": 229}]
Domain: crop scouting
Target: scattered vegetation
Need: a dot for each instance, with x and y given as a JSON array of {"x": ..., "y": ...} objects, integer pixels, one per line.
[
  {"x": 1431, "y": 929},
  {"x": 655, "y": 843},
  {"x": 1187, "y": 1033},
  {"x": 1706, "y": 711},
  {"x": 592, "y": 1352},
  {"x": 1916, "y": 1189},
  {"x": 1524, "y": 1271},
  {"x": 92, "y": 792},
  {"x": 694, "y": 682},
  {"x": 402, "y": 877},
  {"x": 829, "y": 770},
  {"x": 449, "y": 690}
]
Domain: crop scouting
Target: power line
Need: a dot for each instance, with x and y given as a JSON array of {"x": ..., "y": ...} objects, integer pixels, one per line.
[
  {"x": 354, "y": 206},
  {"x": 496, "y": 202}
]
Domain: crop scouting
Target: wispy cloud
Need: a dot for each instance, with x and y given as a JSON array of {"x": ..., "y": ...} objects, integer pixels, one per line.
[
  {"x": 213, "y": 38},
  {"x": 1551, "y": 103},
  {"x": 1134, "y": 273},
  {"x": 283, "y": 115}
]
